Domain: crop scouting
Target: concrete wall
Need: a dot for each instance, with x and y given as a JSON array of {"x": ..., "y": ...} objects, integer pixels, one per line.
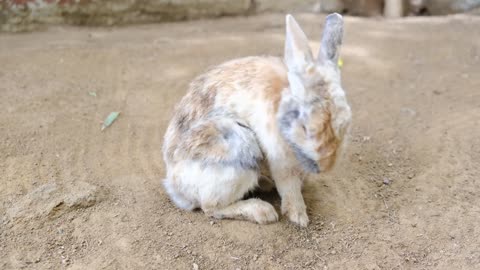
[{"x": 23, "y": 15}]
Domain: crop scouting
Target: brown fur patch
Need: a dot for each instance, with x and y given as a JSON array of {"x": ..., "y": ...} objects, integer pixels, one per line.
[
  {"x": 201, "y": 140},
  {"x": 273, "y": 91},
  {"x": 327, "y": 142}
]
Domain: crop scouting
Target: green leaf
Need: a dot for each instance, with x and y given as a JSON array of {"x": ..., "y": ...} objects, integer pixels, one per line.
[{"x": 110, "y": 119}]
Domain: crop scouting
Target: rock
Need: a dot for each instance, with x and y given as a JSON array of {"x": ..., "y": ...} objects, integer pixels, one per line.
[
  {"x": 364, "y": 8},
  {"x": 53, "y": 200},
  {"x": 287, "y": 5},
  {"x": 82, "y": 195},
  {"x": 195, "y": 266},
  {"x": 25, "y": 15},
  {"x": 386, "y": 181},
  {"x": 397, "y": 8},
  {"x": 442, "y": 7},
  {"x": 329, "y": 6}
]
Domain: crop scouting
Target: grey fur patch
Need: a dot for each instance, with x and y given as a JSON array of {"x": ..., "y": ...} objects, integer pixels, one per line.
[
  {"x": 332, "y": 38},
  {"x": 288, "y": 118},
  {"x": 307, "y": 163},
  {"x": 291, "y": 113},
  {"x": 285, "y": 122},
  {"x": 244, "y": 152},
  {"x": 182, "y": 122}
]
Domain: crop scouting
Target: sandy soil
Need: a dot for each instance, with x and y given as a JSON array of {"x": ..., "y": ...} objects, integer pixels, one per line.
[{"x": 404, "y": 196}]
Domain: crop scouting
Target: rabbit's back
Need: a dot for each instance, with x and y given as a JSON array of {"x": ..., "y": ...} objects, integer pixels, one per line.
[{"x": 239, "y": 89}]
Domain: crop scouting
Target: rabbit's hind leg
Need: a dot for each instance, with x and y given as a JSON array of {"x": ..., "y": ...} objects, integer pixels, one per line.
[
  {"x": 218, "y": 164},
  {"x": 222, "y": 198},
  {"x": 254, "y": 210}
]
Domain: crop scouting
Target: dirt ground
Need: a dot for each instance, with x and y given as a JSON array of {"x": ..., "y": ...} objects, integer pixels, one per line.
[{"x": 404, "y": 196}]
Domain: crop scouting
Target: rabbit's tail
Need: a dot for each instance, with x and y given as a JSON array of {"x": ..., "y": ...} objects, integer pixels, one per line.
[{"x": 177, "y": 198}]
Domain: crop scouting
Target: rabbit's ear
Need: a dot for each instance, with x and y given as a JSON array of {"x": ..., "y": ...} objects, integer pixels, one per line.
[
  {"x": 331, "y": 39},
  {"x": 297, "y": 52},
  {"x": 296, "y": 85}
]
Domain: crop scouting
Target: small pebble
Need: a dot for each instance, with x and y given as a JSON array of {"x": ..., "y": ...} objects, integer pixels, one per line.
[
  {"x": 386, "y": 181},
  {"x": 195, "y": 266}
]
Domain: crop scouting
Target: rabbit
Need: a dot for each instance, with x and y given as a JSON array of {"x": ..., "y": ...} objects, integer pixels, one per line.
[{"x": 258, "y": 120}]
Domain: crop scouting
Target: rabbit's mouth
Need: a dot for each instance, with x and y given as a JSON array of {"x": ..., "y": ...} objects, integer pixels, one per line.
[{"x": 308, "y": 164}]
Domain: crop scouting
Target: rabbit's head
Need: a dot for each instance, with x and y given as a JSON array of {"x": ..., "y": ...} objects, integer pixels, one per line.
[{"x": 314, "y": 114}]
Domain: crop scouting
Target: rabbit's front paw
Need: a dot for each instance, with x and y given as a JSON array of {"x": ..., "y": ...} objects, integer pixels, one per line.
[{"x": 296, "y": 214}]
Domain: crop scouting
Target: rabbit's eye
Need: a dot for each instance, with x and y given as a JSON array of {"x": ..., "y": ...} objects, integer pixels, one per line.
[{"x": 294, "y": 114}]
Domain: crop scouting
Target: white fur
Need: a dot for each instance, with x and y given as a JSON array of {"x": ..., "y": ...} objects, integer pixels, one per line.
[{"x": 201, "y": 184}]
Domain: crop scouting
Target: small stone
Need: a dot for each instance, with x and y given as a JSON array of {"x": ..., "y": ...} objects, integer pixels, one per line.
[
  {"x": 333, "y": 252},
  {"x": 255, "y": 257},
  {"x": 390, "y": 164},
  {"x": 195, "y": 266},
  {"x": 410, "y": 176},
  {"x": 212, "y": 223},
  {"x": 408, "y": 111},
  {"x": 386, "y": 181}
]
